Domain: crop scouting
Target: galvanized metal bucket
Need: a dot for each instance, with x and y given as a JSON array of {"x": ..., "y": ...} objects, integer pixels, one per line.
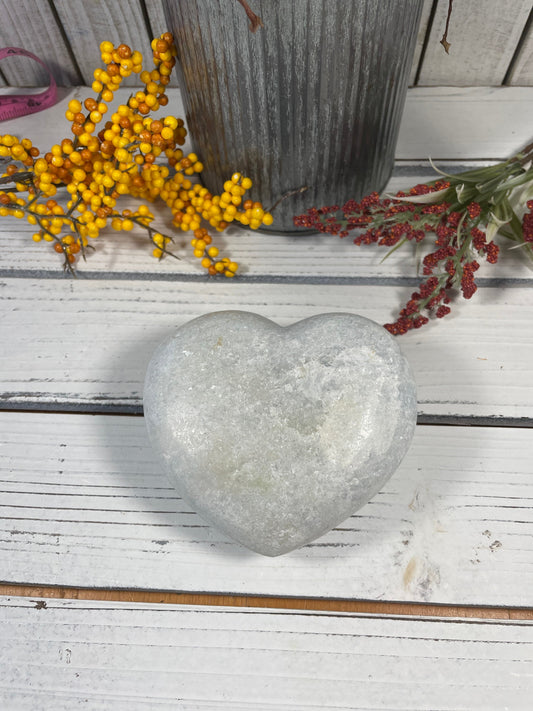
[{"x": 314, "y": 98}]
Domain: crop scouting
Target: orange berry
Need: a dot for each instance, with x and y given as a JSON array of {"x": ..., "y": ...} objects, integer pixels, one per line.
[
  {"x": 123, "y": 51},
  {"x": 161, "y": 46}
]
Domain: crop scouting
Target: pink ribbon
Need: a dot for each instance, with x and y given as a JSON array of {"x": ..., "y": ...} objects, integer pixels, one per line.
[{"x": 13, "y": 105}]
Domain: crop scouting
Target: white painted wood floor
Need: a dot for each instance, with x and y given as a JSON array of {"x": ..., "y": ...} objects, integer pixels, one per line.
[
  {"x": 128, "y": 657},
  {"x": 83, "y": 504}
]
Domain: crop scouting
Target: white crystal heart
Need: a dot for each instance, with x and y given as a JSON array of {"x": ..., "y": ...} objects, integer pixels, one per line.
[{"x": 277, "y": 434}]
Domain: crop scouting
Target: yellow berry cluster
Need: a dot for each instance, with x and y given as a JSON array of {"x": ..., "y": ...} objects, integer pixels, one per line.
[
  {"x": 22, "y": 151},
  {"x": 131, "y": 153},
  {"x": 191, "y": 203}
]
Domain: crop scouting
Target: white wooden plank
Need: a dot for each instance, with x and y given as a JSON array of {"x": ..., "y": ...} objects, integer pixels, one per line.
[
  {"x": 522, "y": 69},
  {"x": 32, "y": 26},
  {"x": 483, "y": 36},
  {"x": 466, "y": 123},
  {"x": 96, "y": 655},
  {"x": 259, "y": 254},
  {"x": 475, "y": 123},
  {"x": 84, "y": 503},
  {"x": 78, "y": 343},
  {"x": 87, "y": 24}
]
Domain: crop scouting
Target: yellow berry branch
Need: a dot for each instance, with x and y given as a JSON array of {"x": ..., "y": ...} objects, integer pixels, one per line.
[{"x": 131, "y": 154}]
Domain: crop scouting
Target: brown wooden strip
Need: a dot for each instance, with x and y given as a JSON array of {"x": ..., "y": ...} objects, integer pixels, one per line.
[{"x": 284, "y": 603}]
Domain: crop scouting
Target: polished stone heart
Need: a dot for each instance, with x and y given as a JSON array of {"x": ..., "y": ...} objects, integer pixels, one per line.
[{"x": 277, "y": 434}]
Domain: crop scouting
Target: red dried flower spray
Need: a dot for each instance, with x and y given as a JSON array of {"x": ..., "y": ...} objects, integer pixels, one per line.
[{"x": 461, "y": 213}]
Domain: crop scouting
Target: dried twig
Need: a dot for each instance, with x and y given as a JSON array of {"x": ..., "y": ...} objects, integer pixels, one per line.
[
  {"x": 255, "y": 20},
  {"x": 444, "y": 41},
  {"x": 15, "y": 178},
  {"x": 286, "y": 195}
]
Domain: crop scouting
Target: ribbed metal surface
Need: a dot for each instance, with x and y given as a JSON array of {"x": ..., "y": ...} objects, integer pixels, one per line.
[{"x": 313, "y": 99}]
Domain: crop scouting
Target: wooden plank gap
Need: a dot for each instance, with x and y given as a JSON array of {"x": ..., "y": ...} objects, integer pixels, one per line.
[
  {"x": 74, "y": 408},
  {"x": 286, "y": 278},
  {"x": 77, "y": 409},
  {"x": 426, "y": 41},
  {"x": 146, "y": 19},
  {"x": 475, "y": 421},
  {"x": 136, "y": 410},
  {"x": 42, "y": 593},
  {"x": 68, "y": 46},
  {"x": 528, "y": 27}
]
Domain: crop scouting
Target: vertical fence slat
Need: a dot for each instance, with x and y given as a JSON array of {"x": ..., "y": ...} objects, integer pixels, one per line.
[
  {"x": 522, "y": 70},
  {"x": 422, "y": 32},
  {"x": 158, "y": 22},
  {"x": 32, "y": 26},
  {"x": 155, "y": 11},
  {"x": 483, "y": 34},
  {"x": 87, "y": 24}
]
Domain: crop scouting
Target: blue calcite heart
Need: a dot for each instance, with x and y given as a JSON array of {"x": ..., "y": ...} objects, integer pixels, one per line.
[{"x": 277, "y": 434}]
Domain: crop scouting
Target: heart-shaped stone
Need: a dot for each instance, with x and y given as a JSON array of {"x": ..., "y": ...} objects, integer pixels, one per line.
[{"x": 277, "y": 434}]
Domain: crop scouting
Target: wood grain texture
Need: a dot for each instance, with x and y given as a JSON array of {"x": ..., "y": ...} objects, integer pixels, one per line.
[
  {"x": 465, "y": 123},
  {"x": 71, "y": 654},
  {"x": 83, "y": 503},
  {"x": 483, "y": 36},
  {"x": 87, "y": 24},
  {"x": 421, "y": 38},
  {"x": 522, "y": 69},
  {"x": 367, "y": 607},
  {"x": 475, "y": 362},
  {"x": 32, "y": 26},
  {"x": 156, "y": 15}
]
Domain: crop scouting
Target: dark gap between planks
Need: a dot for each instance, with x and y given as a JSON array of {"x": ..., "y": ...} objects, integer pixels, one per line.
[
  {"x": 135, "y": 409},
  {"x": 492, "y": 282}
]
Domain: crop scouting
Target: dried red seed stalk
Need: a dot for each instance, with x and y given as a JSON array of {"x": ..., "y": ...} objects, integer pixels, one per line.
[
  {"x": 527, "y": 223},
  {"x": 453, "y": 210},
  {"x": 388, "y": 222}
]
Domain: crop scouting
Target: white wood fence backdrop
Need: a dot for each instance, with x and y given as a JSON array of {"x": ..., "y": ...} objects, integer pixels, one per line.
[{"x": 491, "y": 40}]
